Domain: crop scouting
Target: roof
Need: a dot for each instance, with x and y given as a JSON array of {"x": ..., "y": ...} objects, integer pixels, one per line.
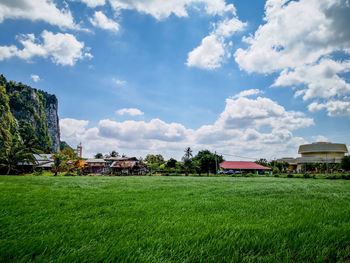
[
  {"x": 318, "y": 147},
  {"x": 43, "y": 156},
  {"x": 95, "y": 161},
  {"x": 125, "y": 164},
  {"x": 121, "y": 159},
  {"x": 242, "y": 166}
]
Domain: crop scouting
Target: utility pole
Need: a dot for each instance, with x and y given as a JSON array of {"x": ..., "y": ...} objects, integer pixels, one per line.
[{"x": 216, "y": 164}]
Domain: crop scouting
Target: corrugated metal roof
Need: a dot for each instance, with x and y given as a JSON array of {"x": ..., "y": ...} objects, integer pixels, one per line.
[
  {"x": 242, "y": 166},
  {"x": 318, "y": 147},
  {"x": 124, "y": 164},
  {"x": 95, "y": 161}
]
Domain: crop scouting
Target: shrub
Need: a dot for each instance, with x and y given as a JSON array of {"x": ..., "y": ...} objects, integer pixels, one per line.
[
  {"x": 306, "y": 175},
  {"x": 289, "y": 175},
  {"x": 249, "y": 175},
  {"x": 345, "y": 176},
  {"x": 276, "y": 175}
]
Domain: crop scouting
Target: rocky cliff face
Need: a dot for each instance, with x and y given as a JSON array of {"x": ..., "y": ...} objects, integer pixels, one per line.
[
  {"x": 51, "y": 110},
  {"x": 35, "y": 114}
]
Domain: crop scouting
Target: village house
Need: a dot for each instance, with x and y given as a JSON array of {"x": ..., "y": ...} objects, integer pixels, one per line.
[
  {"x": 244, "y": 167},
  {"x": 316, "y": 153},
  {"x": 126, "y": 165}
]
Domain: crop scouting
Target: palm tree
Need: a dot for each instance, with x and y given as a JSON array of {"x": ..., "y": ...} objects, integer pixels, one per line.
[
  {"x": 188, "y": 153},
  {"x": 15, "y": 154}
]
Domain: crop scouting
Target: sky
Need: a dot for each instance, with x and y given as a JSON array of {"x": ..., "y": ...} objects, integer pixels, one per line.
[{"x": 247, "y": 79}]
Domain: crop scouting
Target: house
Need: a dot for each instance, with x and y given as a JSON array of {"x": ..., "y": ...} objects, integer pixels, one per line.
[
  {"x": 316, "y": 153},
  {"x": 96, "y": 166},
  {"x": 44, "y": 161},
  {"x": 320, "y": 152},
  {"x": 126, "y": 165},
  {"x": 244, "y": 167}
]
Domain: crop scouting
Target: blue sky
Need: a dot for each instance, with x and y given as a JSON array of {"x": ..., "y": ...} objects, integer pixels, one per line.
[{"x": 252, "y": 79}]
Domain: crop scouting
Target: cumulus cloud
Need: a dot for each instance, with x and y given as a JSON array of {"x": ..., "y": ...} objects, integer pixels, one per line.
[
  {"x": 299, "y": 40},
  {"x": 161, "y": 9},
  {"x": 333, "y": 107},
  {"x": 34, "y": 77},
  {"x": 93, "y": 3},
  {"x": 129, "y": 111},
  {"x": 42, "y": 10},
  {"x": 213, "y": 50},
  {"x": 246, "y": 125},
  {"x": 101, "y": 21},
  {"x": 321, "y": 79},
  {"x": 249, "y": 92},
  {"x": 62, "y": 49}
]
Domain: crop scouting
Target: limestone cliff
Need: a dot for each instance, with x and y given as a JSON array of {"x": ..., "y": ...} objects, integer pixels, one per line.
[{"x": 35, "y": 114}]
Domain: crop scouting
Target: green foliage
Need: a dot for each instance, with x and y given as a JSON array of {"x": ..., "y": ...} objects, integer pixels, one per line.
[
  {"x": 207, "y": 161},
  {"x": 345, "y": 163},
  {"x": 59, "y": 162},
  {"x": 13, "y": 155},
  {"x": 27, "y": 106},
  {"x": 171, "y": 163},
  {"x": 98, "y": 156},
  {"x": 64, "y": 145},
  {"x": 262, "y": 162},
  {"x": 8, "y": 129},
  {"x": 154, "y": 160}
]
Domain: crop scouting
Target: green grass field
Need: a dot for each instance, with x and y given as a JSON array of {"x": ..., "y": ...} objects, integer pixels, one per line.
[{"x": 173, "y": 219}]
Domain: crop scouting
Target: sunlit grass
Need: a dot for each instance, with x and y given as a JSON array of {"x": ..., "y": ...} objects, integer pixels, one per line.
[{"x": 174, "y": 219}]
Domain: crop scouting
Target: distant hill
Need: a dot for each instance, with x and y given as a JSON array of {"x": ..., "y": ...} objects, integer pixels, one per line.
[{"x": 27, "y": 113}]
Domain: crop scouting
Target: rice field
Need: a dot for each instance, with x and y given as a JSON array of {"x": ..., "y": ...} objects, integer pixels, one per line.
[{"x": 173, "y": 219}]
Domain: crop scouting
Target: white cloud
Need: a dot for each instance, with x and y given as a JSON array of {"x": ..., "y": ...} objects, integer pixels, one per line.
[
  {"x": 249, "y": 92},
  {"x": 161, "y": 9},
  {"x": 62, "y": 49},
  {"x": 299, "y": 39},
  {"x": 213, "y": 50},
  {"x": 261, "y": 112},
  {"x": 319, "y": 138},
  {"x": 209, "y": 55},
  {"x": 93, "y": 3},
  {"x": 333, "y": 107},
  {"x": 72, "y": 128},
  {"x": 119, "y": 82},
  {"x": 246, "y": 125},
  {"x": 44, "y": 10},
  {"x": 34, "y": 77},
  {"x": 322, "y": 79},
  {"x": 101, "y": 21},
  {"x": 129, "y": 111}
]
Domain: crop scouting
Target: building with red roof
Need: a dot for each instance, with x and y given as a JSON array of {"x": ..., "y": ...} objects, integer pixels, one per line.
[{"x": 244, "y": 167}]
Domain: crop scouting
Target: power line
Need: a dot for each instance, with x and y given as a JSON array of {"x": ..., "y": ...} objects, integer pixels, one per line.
[{"x": 243, "y": 157}]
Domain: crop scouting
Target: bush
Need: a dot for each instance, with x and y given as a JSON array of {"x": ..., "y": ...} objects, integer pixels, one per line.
[
  {"x": 276, "y": 175},
  {"x": 306, "y": 175},
  {"x": 249, "y": 175},
  {"x": 289, "y": 176},
  {"x": 345, "y": 176}
]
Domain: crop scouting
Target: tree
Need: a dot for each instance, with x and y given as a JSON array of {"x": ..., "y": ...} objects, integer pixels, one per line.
[
  {"x": 114, "y": 154},
  {"x": 187, "y": 160},
  {"x": 154, "y": 159},
  {"x": 262, "y": 162},
  {"x": 98, "y": 155},
  {"x": 11, "y": 156},
  {"x": 171, "y": 163},
  {"x": 188, "y": 153},
  {"x": 345, "y": 163},
  {"x": 59, "y": 161},
  {"x": 207, "y": 161}
]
